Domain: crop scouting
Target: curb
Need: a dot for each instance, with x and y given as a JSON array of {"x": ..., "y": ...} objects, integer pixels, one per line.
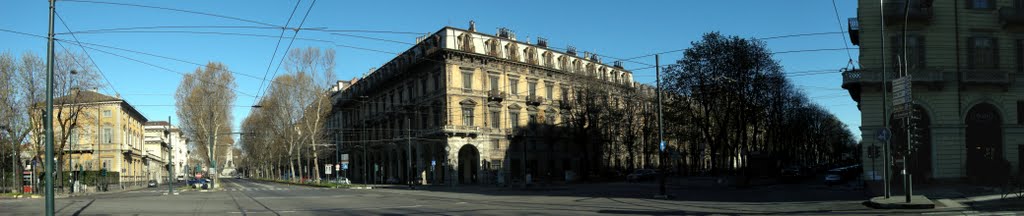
[{"x": 920, "y": 203}]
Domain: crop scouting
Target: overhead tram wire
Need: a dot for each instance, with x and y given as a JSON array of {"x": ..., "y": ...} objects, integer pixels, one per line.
[
  {"x": 177, "y": 10},
  {"x": 86, "y": 53},
  {"x": 317, "y": 29},
  {"x": 94, "y": 46},
  {"x": 276, "y": 47},
  {"x": 167, "y": 69},
  {"x": 764, "y": 38},
  {"x": 287, "y": 50},
  {"x": 840, "y": 25},
  {"x": 164, "y": 57}
]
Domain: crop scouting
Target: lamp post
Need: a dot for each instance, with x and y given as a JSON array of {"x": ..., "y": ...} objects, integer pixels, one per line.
[{"x": 366, "y": 166}]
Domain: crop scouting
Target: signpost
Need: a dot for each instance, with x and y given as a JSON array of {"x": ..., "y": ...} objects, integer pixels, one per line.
[
  {"x": 901, "y": 98},
  {"x": 327, "y": 169}
]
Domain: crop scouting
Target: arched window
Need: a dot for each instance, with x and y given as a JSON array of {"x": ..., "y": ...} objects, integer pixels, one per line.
[
  {"x": 465, "y": 42},
  {"x": 513, "y": 51}
]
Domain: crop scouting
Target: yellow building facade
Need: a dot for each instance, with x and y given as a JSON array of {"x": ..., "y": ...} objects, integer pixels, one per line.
[{"x": 106, "y": 134}]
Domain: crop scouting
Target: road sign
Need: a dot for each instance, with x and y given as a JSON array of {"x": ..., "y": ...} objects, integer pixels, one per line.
[
  {"x": 883, "y": 134},
  {"x": 344, "y": 157},
  {"x": 902, "y": 97},
  {"x": 337, "y": 168},
  {"x": 328, "y": 169},
  {"x": 662, "y": 145},
  {"x": 433, "y": 162},
  {"x": 873, "y": 151},
  {"x": 344, "y": 165}
]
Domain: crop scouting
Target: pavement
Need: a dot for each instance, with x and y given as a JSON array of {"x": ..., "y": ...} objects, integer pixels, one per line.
[{"x": 247, "y": 197}]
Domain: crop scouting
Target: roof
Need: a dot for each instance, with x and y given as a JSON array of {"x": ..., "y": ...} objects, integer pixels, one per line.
[
  {"x": 78, "y": 96},
  {"x": 157, "y": 123}
]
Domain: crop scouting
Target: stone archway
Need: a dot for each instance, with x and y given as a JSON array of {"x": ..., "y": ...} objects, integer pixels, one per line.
[
  {"x": 984, "y": 139},
  {"x": 469, "y": 163}
]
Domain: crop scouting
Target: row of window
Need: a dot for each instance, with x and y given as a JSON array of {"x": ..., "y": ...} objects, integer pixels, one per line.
[
  {"x": 513, "y": 85},
  {"x": 468, "y": 117},
  {"x": 512, "y": 52},
  {"x": 982, "y": 52}
]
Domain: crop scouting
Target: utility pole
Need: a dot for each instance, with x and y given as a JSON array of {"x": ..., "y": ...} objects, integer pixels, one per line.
[
  {"x": 408, "y": 151},
  {"x": 213, "y": 161},
  {"x": 909, "y": 107},
  {"x": 885, "y": 112},
  {"x": 661, "y": 132},
  {"x": 48, "y": 122},
  {"x": 170, "y": 157},
  {"x": 337, "y": 152}
]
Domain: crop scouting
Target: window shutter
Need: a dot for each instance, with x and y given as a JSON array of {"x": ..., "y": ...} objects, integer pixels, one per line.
[
  {"x": 995, "y": 53},
  {"x": 921, "y": 54},
  {"x": 970, "y": 53},
  {"x": 1020, "y": 57}
]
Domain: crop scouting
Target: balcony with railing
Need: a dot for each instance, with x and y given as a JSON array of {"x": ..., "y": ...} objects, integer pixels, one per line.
[
  {"x": 855, "y": 80},
  {"x": 918, "y": 11},
  {"x": 534, "y": 100},
  {"x": 564, "y": 104},
  {"x": 495, "y": 95},
  {"x": 986, "y": 77},
  {"x": 462, "y": 130},
  {"x": 78, "y": 148},
  {"x": 1011, "y": 17},
  {"x": 853, "y": 28}
]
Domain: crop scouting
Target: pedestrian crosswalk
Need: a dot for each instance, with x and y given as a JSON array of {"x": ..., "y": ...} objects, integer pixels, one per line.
[
  {"x": 274, "y": 189},
  {"x": 237, "y": 189}
]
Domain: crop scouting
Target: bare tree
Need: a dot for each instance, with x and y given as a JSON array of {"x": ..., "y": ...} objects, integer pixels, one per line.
[
  {"x": 204, "y": 100},
  {"x": 313, "y": 93}
]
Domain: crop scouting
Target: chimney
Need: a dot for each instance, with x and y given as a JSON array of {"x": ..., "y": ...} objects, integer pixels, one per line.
[
  {"x": 472, "y": 26},
  {"x": 542, "y": 42},
  {"x": 571, "y": 50}
]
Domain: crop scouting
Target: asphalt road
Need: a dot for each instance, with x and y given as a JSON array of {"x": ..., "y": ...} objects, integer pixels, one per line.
[{"x": 246, "y": 197}]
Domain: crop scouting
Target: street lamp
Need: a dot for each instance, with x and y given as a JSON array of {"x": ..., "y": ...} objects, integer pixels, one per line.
[{"x": 366, "y": 167}]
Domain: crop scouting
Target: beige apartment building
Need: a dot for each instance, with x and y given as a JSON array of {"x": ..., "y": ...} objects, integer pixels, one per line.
[
  {"x": 457, "y": 103},
  {"x": 965, "y": 58},
  {"x": 159, "y": 138},
  {"x": 108, "y": 134}
]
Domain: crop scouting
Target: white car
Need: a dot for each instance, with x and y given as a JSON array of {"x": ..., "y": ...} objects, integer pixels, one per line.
[{"x": 342, "y": 180}]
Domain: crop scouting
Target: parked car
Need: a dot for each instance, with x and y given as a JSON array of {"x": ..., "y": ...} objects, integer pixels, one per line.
[
  {"x": 181, "y": 178},
  {"x": 793, "y": 173},
  {"x": 834, "y": 177},
  {"x": 341, "y": 180},
  {"x": 199, "y": 183},
  {"x": 152, "y": 183},
  {"x": 642, "y": 175}
]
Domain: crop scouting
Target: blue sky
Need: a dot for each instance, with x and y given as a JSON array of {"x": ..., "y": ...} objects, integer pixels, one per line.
[{"x": 618, "y": 29}]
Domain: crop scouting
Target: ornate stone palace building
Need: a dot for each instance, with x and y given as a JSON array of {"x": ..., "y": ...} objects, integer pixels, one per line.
[
  {"x": 455, "y": 103},
  {"x": 965, "y": 57}
]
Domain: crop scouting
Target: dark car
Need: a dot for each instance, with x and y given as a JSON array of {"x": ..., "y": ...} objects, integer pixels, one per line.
[
  {"x": 836, "y": 176},
  {"x": 793, "y": 173},
  {"x": 199, "y": 183},
  {"x": 642, "y": 175},
  {"x": 152, "y": 183}
]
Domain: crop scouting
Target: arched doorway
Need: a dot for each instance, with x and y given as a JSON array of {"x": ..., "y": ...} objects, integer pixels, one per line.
[
  {"x": 920, "y": 164},
  {"x": 469, "y": 163},
  {"x": 984, "y": 143}
]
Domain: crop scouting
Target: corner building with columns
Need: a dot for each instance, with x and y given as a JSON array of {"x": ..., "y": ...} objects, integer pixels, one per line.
[{"x": 461, "y": 104}]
